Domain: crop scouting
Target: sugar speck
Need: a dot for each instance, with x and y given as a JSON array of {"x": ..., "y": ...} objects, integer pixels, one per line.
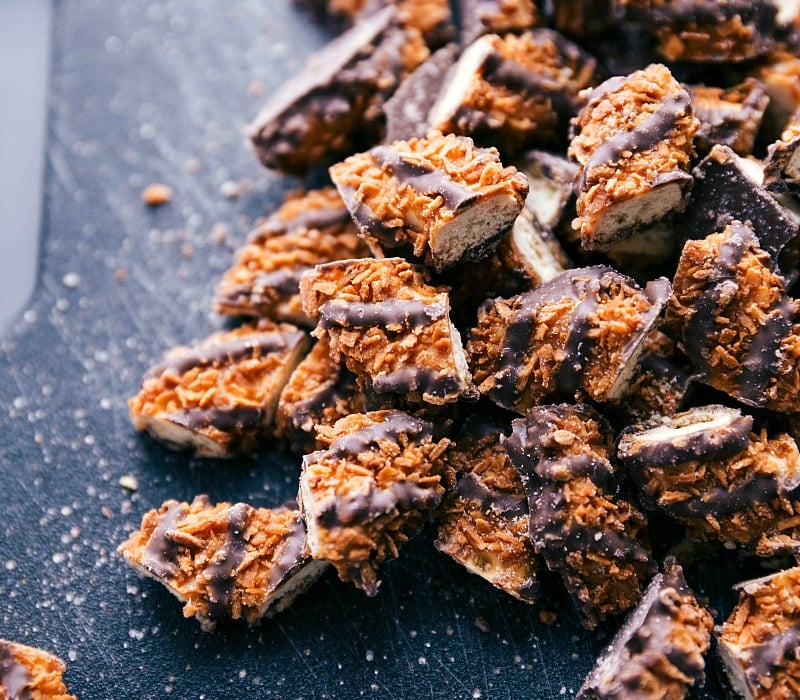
[{"x": 71, "y": 280}]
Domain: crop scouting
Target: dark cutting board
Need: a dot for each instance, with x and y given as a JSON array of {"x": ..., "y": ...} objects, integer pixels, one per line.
[{"x": 147, "y": 92}]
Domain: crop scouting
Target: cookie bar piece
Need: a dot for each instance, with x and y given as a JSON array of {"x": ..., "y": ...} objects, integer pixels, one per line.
[
  {"x": 580, "y": 522},
  {"x": 320, "y": 391},
  {"x": 583, "y": 18},
  {"x": 332, "y": 107},
  {"x": 514, "y": 92},
  {"x": 309, "y": 228},
  {"x": 578, "y": 335},
  {"x": 634, "y": 141},
  {"x": 712, "y": 31},
  {"x": 658, "y": 653},
  {"x": 224, "y": 560},
  {"x": 705, "y": 468},
  {"x": 31, "y": 674},
  {"x": 483, "y": 522},
  {"x": 390, "y": 326},
  {"x": 551, "y": 194},
  {"x": 758, "y": 642},
  {"x": 732, "y": 316},
  {"x": 727, "y": 188},
  {"x": 729, "y": 117},
  {"x": 220, "y": 396},
  {"x": 439, "y": 198},
  {"x": 371, "y": 490},
  {"x": 479, "y": 17}
]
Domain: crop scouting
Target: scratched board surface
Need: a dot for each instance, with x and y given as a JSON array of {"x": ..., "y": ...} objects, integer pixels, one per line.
[{"x": 147, "y": 92}]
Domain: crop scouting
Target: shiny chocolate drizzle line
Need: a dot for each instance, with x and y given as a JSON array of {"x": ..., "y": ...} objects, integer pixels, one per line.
[
  {"x": 220, "y": 353},
  {"x": 160, "y": 555},
  {"x": 306, "y": 220},
  {"x": 15, "y": 679},
  {"x": 264, "y": 288},
  {"x": 228, "y": 559},
  {"x": 771, "y": 655},
  {"x": 341, "y": 383},
  {"x": 424, "y": 180},
  {"x": 290, "y": 555},
  {"x": 511, "y": 505},
  {"x": 410, "y": 314},
  {"x": 643, "y": 137},
  {"x": 411, "y": 378},
  {"x": 714, "y": 12},
  {"x": 235, "y": 418},
  {"x": 721, "y": 502},
  {"x": 396, "y": 423},
  {"x": 371, "y": 225}
]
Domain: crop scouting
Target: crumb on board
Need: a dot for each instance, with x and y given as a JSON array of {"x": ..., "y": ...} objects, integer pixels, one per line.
[{"x": 156, "y": 194}]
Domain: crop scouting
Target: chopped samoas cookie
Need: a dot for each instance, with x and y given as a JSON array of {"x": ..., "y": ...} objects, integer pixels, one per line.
[{"x": 28, "y": 673}]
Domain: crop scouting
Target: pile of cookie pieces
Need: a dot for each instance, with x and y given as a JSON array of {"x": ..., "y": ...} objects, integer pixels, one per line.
[{"x": 551, "y": 233}]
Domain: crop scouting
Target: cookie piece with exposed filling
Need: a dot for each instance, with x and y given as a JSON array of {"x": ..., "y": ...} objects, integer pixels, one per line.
[
  {"x": 373, "y": 487},
  {"x": 439, "y": 199},
  {"x": 514, "y": 92},
  {"x": 219, "y": 397},
  {"x": 483, "y": 522},
  {"x": 758, "y": 642},
  {"x": 705, "y": 468},
  {"x": 659, "y": 650},
  {"x": 224, "y": 560},
  {"x": 391, "y": 328},
  {"x": 581, "y": 522},
  {"x": 307, "y": 229},
  {"x": 577, "y": 336},
  {"x": 634, "y": 142},
  {"x": 333, "y": 106}
]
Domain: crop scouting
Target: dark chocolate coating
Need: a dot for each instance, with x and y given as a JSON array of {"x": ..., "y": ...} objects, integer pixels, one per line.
[
  {"x": 15, "y": 679},
  {"x": 319, "y": 218},
  {"x": 470, "y": 487},
  {"x": 409, "y": 314},
  {"x": 160, "y": 556},
  {"x": 236, "y": 418},
  {"x": 723, "y": 193},
  {"x": 229, "y": 558},
  {"x": 339, "y": 384},
  {"x": 719, "y": 442},
  {"x": 775, "y": 652},
  {"x": 292, "y": 554},
  {"x": 642, "y": 644}
]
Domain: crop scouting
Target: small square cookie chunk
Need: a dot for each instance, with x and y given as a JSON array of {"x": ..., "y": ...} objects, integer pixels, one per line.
[
  {"x": 782, "y": 164},
  {"x": 320, "y": 391},
  {"x": 225, "y": 560},
  {"x": 758, "y": 642},
  {"x": 578, "y": 335},
  {"x": 551, "y": 194},
  {"x": 309, "y": 228},
  {"x": 483, "y": 522},
  {"x": 333, "y": 106},
  {"x": 711, "y": 31},
  {"x": 390, "y": 326},
  {"x": 580, "y": 522},
  {"x": 370, "y": 491},
  {"x": 658, "y": 653},
  {"x": 705, "y": 468},
  {"x": 28, "y": 673},
  {"x": 220, "y": 396},
  {"x": 438, "y": 198},
  {"x": 514, "y": 92},
  {"x": 733, "y": 318},
  {"x": 729, "y": 116},
  {"x": 634, "y": 141}
]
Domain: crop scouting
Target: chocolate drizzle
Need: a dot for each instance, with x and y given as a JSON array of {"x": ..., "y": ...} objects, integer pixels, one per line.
[
  {"x": 428, "y": 382},
  {"x": 308, "y": 219},
  {"x": 409, "y": 314},
  {"x": 220, "y": 575},
  {"x": 160, "y": 556},
  {"x": 471, "y": 487},
  {"x": 774, "y": 653},
  {"x": 643, "y": 137},
  {"x": 221, "y": 353},
  {"x": 395, "y": 424},
  {"x": 290, "y": 555},
  {"x": 235, "y": 418},
  {"x": 423, "y": 179},
  {"x": 15, "y": 679}
]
